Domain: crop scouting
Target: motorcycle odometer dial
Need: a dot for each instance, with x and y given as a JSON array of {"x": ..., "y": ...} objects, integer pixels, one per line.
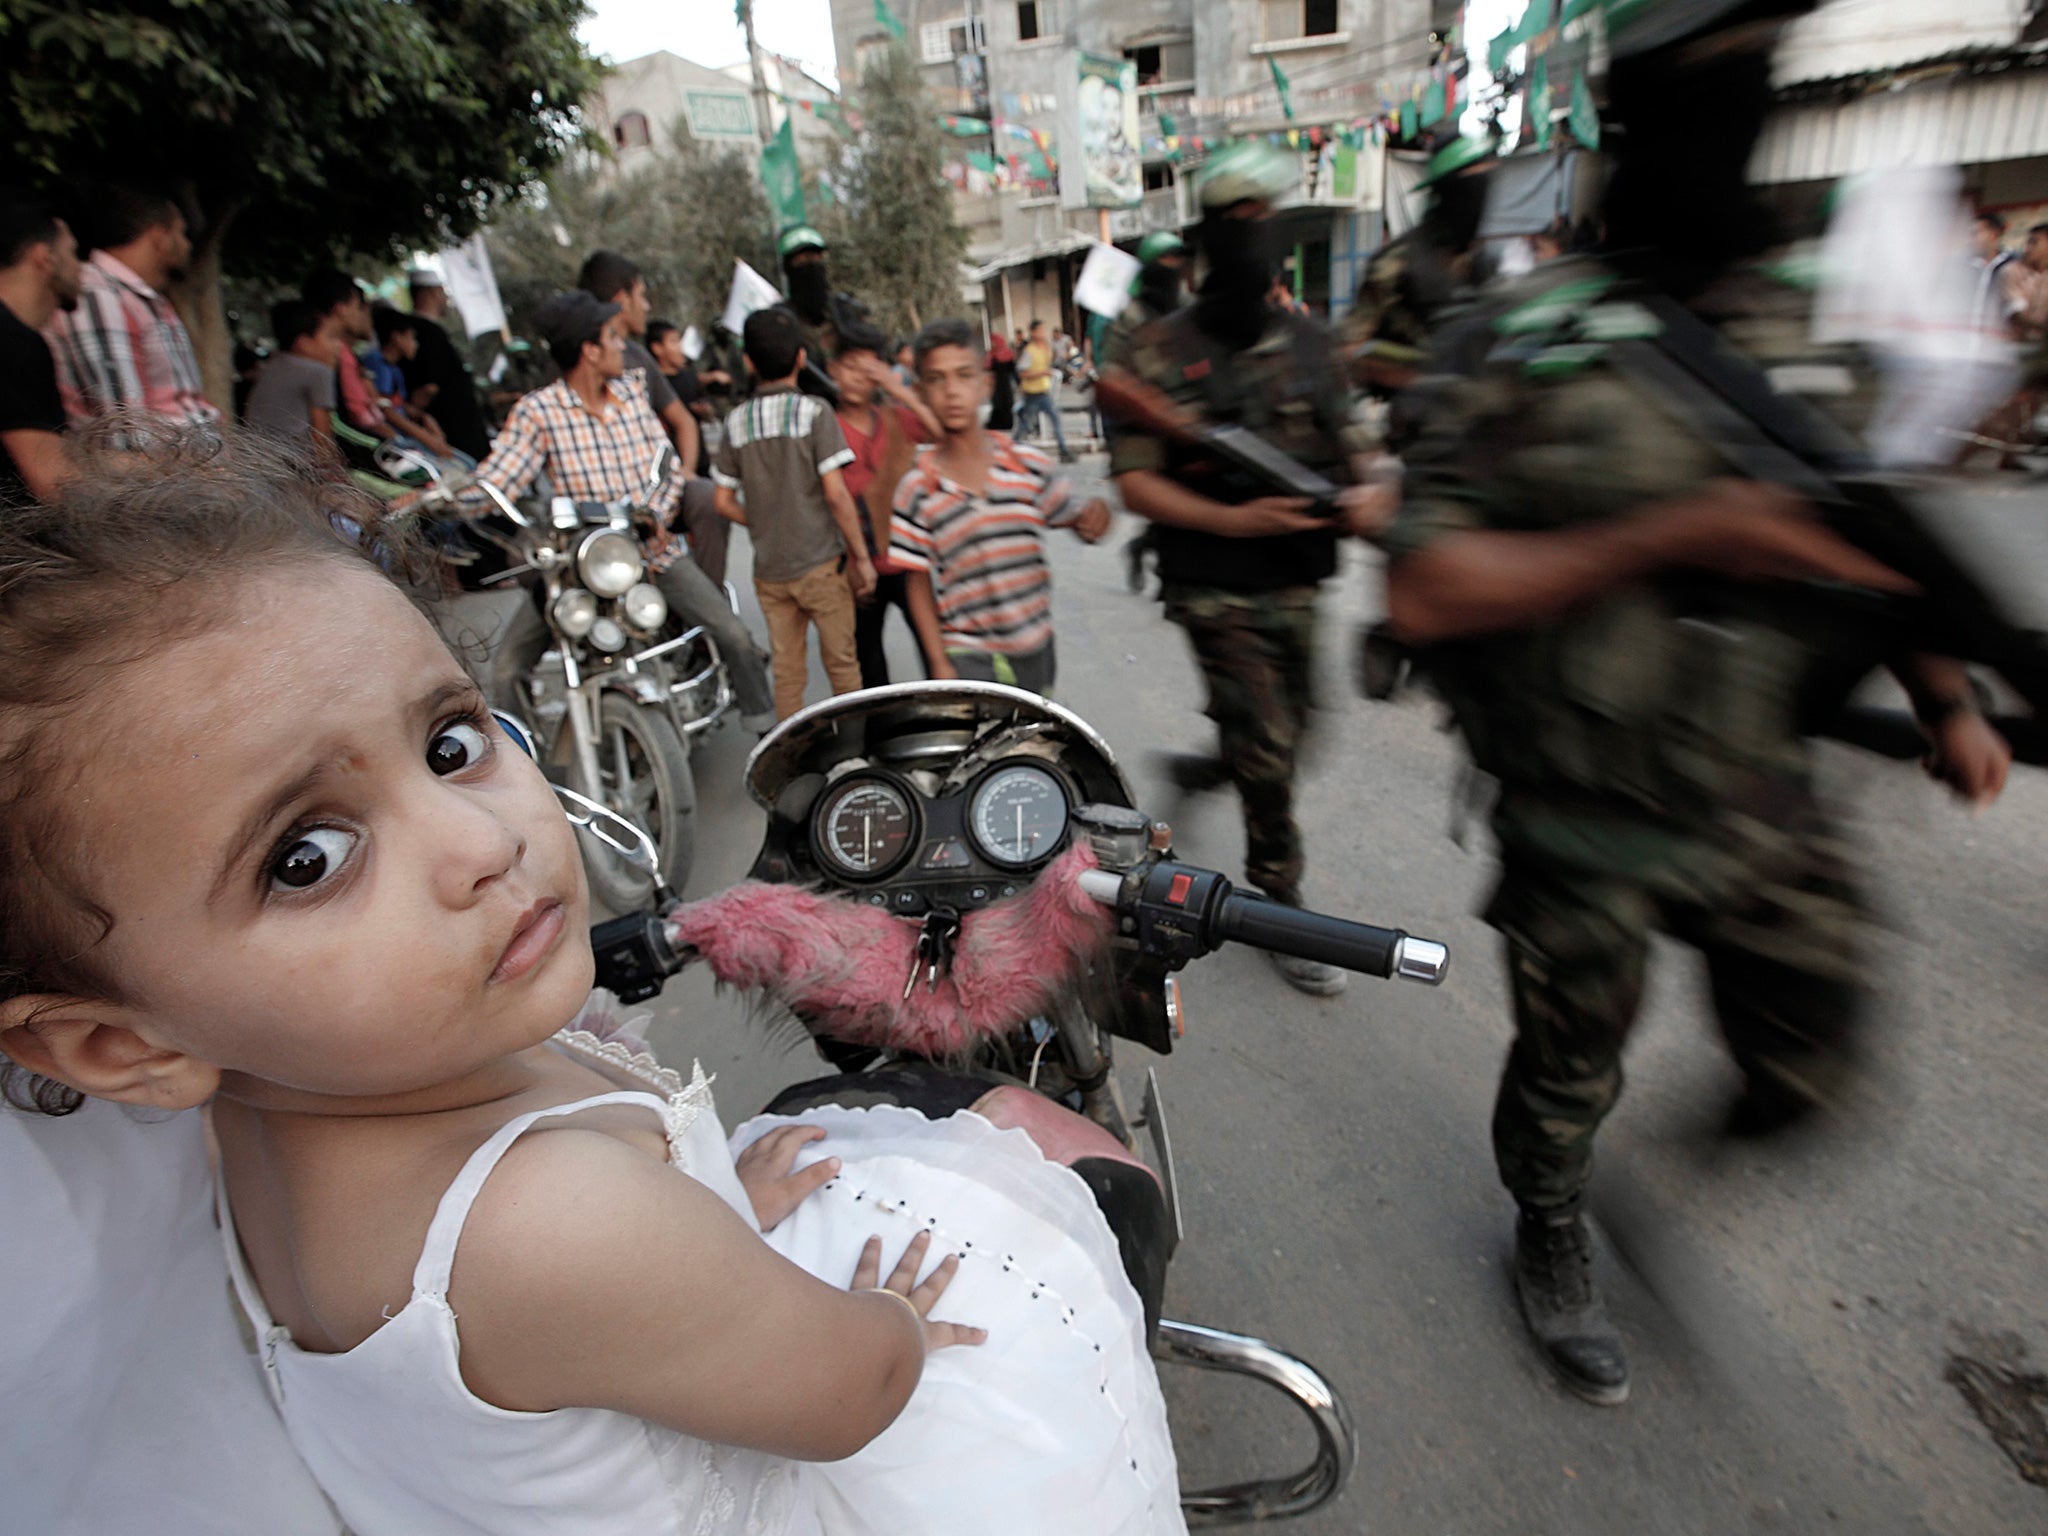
[
  {"x": 864, "y": 829},
  {"x": 1018, "y": 815}
]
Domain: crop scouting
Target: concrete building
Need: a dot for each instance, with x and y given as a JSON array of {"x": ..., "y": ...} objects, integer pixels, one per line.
[
  {"x": 1205, "y": 70},
  {"x": 645, "y": 104}
]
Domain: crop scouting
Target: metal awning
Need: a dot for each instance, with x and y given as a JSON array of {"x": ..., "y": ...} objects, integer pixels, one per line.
[
  {"x": 1957, "y": 121},
  {"x": 1063, "y": 244}
]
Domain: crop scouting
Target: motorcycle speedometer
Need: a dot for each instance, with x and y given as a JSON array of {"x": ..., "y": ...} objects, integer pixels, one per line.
[
  {"x": 864, "y": 828},
  {"x": 609, "y": 563},
  {"x": 1017, "y": 814},
  {"x": 644, "y": 606},
  {"x": 575, "y": 611}
]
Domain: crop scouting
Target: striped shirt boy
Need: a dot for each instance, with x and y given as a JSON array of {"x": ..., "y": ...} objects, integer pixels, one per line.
[{"x": 984, "y": 553}]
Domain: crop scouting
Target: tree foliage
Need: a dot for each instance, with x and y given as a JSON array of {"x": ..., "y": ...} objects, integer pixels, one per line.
[
  {"x": 684, "y": 219},
  {"x": 895, "y": 243},
  {"x": 296, "y": 131}
]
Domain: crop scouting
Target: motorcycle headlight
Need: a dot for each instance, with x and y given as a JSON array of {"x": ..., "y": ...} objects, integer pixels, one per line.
[
  {"x": 608, "y": 636},
  {"x": 609, "y": 562},
  {"x": 644, "y": 606},
  {"x": 575, "y": 611}
]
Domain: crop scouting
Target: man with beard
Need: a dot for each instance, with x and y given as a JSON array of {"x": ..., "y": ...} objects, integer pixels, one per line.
[
  {"x": 435, "y": 374},
  {"x": 123, "y": 350},
  {"x": 820, "y": 312},
  {"x": 1240, "y": 570},
  {"x": 1642, "y": 733},
  {"x": 38, "y": 277}
]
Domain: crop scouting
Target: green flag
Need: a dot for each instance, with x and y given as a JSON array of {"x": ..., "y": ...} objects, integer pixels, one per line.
[
  {"x": 1539, "y": 102},
  {"x": 1433, "y": 104},
  {"x": 1407, "y": 119},
  {"x": 1498, "y": 49},
  {"x": 1584, "y": 117},
  {"x": 1280, "y": 85},
  {"x": 780, "y": 179},
  {"x": 885, "y": 19}
]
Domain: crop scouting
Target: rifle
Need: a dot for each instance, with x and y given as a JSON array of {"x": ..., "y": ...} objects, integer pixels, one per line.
[
  {"x": 1978, "y": 551},
  {"x": 1240, "y": 455}
]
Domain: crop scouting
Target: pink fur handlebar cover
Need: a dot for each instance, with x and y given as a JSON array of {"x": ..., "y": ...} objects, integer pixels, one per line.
[{"x": 839, "y": 963}]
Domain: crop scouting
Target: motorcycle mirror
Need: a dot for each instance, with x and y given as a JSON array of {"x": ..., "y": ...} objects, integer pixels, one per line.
[
  {"x": 627, "y": 838},
  {"x": 504, "y": 504}
]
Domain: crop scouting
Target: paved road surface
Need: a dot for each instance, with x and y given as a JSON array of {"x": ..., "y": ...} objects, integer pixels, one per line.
[{"x": 1791, "y": 1312}]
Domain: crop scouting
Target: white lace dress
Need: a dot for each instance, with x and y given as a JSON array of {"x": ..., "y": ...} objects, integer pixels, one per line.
[{"x": 1056, "y": 1426}]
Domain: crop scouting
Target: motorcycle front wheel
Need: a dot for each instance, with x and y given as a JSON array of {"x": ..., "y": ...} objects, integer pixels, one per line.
[{"x": 644, "y": 774}]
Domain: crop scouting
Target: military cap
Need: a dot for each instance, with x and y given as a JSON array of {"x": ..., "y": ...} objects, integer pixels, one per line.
[
  {"x": 800, "y": 238},
  {"x": 1453, "y": 158},
  {"x": 1161, "y": 242},
  {"x": 1248, "y": 168}
]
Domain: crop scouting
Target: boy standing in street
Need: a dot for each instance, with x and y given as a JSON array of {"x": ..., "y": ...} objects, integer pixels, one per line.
[
  {"x": 883, "y": 422},
  {"x": 777, "y": 474},
  {"x": 968, "y": 525}
]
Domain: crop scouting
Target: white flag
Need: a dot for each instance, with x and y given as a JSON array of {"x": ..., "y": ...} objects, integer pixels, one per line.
[
  {"x": 1105, "y": 282},
  {"x": 750, "y": 291}
]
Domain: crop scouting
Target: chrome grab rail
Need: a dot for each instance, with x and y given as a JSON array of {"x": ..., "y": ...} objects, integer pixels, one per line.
[{"x": 1272, "y": 1498}]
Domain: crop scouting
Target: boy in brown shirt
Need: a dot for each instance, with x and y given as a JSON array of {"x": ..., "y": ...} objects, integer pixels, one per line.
[{"x": 777, "y": 474}]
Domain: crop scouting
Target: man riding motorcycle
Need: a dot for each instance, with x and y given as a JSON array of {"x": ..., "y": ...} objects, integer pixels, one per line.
[{"x": 591, "y": 433}]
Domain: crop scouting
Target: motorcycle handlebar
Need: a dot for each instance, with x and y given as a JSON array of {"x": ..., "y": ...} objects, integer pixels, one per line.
[{"x": 1180, "y": 913}]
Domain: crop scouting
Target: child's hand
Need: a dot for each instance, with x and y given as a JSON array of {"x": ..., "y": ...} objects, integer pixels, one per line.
[
  {"x": 867, "y": 1276},
  {"x": 1094, "y": 521},
  {"x": 861, "y": 576},
  {"x": 764, "y": 1173}
]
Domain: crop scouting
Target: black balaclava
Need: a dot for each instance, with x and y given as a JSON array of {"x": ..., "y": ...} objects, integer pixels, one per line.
[
  {"x": 1159, "y": 287},
  {"x": 1455, "y": 208},
  {"x": 1241, "y": 262},
  {"x": 810, "y": 290},
  {"x": 1680, "y": 211}
]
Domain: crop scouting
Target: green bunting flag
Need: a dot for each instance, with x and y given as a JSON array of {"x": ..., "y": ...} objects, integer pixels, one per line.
[
  {"x": 1280, "y": 85},
  {"x": 1407, "y": 119},
  {"x": 1539, "y": 102},
  {"x": 780, "y": 178},
  {"x": 884, "y": 18},
  {"x": 1584, "y": 117},
  {"x": 1433, "y": 104}
]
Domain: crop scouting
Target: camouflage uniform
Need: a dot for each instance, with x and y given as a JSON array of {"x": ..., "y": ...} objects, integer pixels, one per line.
[
  {"x": 1248, "y": 605},
  {"x": 1651, "y": 775},
  {"x": 1406, "y": 285}
]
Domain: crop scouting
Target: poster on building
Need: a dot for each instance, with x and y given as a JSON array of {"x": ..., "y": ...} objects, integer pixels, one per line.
[
  {"x": 1100, "y": 162},
  {"x": 719, "y": 114}
]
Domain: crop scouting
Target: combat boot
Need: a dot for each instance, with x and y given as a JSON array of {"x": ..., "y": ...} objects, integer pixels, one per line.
[{"x": 1554, "y": 1282}]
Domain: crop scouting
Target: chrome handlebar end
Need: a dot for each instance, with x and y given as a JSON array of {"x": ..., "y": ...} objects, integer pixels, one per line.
[{"x": 1421, "y": 960}]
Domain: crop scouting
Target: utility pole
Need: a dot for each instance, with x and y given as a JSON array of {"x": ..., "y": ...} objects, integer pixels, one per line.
[{"x": 764, "y": 115}]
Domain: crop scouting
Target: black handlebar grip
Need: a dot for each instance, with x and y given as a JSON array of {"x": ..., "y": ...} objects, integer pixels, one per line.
[{"x": 1286, "y": 930}]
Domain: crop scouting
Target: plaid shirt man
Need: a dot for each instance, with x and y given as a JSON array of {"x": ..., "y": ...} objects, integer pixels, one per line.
[
  {"x": 588, "y": 457},
  {"x": 124, "y": 351}
]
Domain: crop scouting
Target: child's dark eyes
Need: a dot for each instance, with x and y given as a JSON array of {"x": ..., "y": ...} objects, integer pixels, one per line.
[
  {"x": 310, "y": 857},
  {"x": 458, "y": 745}
]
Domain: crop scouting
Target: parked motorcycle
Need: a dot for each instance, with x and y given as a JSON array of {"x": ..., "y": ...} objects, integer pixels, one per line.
[
  {"x": 581, "y": 646},
  {"x": 959, "y": 899}
]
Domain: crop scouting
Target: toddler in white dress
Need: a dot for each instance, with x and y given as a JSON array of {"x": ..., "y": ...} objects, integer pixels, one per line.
[{"x": 264, "y": 849}]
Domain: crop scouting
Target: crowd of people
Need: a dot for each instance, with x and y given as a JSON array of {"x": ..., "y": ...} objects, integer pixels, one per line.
[{"x": 277, "y": 812}]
